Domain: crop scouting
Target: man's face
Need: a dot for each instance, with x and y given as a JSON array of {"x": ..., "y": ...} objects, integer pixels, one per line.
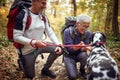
[
  {"x": 41, "y": 4},
  {"x": 81, "y": 28}
]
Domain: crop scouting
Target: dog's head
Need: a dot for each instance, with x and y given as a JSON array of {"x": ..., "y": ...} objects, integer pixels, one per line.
[{"x": 97, "y": 38}]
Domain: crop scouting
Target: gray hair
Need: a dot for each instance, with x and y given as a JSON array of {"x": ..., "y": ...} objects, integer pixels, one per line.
[{"x": 83, "y": 18}]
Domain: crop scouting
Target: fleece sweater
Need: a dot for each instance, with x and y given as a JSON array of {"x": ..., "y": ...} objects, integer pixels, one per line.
[{"x": 35, "y": 31}]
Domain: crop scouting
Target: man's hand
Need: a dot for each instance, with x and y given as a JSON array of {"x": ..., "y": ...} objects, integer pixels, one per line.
[
  {"x": 40, "y": 44},
  {"x": 79, "y": 46},
  {"x": 58, "y": 50}
]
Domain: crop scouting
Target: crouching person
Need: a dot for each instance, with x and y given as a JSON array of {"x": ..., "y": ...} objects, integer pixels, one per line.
[
  {"x": 32, "y": 41},
  {"x": 77, "y": 53}
]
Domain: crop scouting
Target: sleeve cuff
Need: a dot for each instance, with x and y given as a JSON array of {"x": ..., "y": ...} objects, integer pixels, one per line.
[{"x": 32, "y": 43}]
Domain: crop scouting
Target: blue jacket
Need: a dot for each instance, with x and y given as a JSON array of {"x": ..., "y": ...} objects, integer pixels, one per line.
[{"x": 68, "y": 40}]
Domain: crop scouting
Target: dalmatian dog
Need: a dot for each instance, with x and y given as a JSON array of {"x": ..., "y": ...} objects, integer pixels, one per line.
[{"x": 101, "y": 66}]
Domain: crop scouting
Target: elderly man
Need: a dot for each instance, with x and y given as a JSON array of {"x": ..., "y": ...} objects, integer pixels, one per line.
[
  {"x": 32, "y": 39},
  {"x": 77, "y": 54}
]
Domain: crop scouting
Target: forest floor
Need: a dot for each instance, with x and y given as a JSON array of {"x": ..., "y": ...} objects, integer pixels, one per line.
[{"x": 9, "y": 67}]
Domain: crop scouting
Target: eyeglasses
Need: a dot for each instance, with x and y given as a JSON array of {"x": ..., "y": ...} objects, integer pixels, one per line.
[{"x": 85, "y": 26}]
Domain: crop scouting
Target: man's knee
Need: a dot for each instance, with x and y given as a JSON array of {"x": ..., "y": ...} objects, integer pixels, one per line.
[
  {"x": 83, "y": 55},
  {"x": 83, "y": 58}
]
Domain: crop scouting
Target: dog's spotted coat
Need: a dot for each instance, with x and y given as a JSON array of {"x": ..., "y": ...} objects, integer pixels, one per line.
[{"x": 101, "y": 65}]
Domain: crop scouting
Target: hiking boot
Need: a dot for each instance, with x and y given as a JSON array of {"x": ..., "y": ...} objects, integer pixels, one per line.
[
  {"x": 47, "y": 72},
  {"x": 83, "y": 73}
]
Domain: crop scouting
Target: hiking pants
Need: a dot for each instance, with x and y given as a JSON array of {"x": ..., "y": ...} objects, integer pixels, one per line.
[
  {"x": 31, "y": 58},
  {"x": 71, "y": 66}
]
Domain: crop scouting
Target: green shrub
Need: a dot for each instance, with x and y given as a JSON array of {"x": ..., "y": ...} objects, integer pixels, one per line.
[
  {"x": 3, "y": 41},
  {"x": 113, "y": 42}
]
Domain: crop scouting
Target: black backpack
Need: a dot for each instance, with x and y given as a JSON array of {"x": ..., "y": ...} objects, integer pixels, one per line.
[
  {"x": 69, "y": 22},
  {"x": 15, "y": 8}
]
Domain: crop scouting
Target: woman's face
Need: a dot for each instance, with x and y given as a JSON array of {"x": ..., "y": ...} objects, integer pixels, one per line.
[{"x": 81, "y": 28}]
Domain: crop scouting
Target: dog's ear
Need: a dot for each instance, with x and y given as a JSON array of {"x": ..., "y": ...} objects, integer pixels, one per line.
[{"x": 104, "y": 37}]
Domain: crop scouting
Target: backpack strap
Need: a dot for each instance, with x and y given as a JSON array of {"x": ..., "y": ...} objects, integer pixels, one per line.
[
  {"x": 29, "y": 20},
  {"x": 83, "y": 37},
  {"x": 44, "y": 19},
  {"x": 21, "y": 61},
  {"x": 71, "y": 33}
]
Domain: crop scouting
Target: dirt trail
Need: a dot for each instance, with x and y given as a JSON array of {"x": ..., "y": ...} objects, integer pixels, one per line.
[
  {"x": 8, "y": 64},
  {"x": 9, "y": 69}
]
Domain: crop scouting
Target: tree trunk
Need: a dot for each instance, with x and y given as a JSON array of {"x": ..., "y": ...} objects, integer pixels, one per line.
[
  {"x": 115, "y": 27},
  {"x": 55, "y": 12},
  {"x": 75, "y": 7},
  {"x": 109, "y": 15}
]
